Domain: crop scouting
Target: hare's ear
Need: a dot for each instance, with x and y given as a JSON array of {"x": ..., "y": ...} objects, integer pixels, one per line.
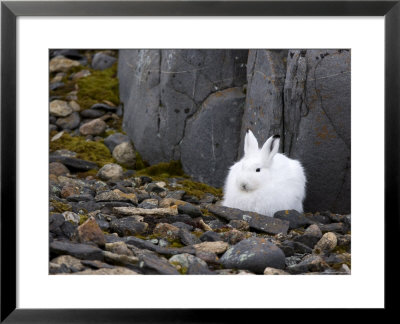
[
  {"x": 270, "y": 148},
  {"x": 250, "y": 143}
]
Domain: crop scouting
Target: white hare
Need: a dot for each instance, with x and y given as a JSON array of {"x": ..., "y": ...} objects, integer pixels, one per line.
[{"x": 265, "y": 181}]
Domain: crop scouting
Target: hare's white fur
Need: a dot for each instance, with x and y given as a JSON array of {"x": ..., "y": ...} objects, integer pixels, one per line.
[{"x": 278, "y": 185}]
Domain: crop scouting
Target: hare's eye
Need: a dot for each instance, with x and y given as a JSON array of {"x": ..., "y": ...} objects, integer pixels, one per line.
[{"x": 258, "y": 170}]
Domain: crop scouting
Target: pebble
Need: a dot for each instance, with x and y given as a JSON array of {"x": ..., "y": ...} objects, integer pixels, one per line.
[
  {"x": 126, "y": 211},
  {"x": 90, "y": 231},
  {"x": 80, "y": 74},
  {"x": 91, "y": 113},
  {"x": 71, "y": 263},
  {"x": 110, "y": 171},
  {"x": 102, "y": 61},
  {"x": 70, "y": 122},
  {"x": 125, "y": 154},
  {"x": 60, "y": 108},
  {"x": 327, "y": 243},
  {"x": 62, "y": 64},
  {"x": 167, "y": 231},
  {"x": 58, "y": 168},
  {"x": 240, "y": 225},
  {"x": 71, "y": 217},
  {"x": 118, "y": 248},
  {"x": 128, "y": 226},
  {"x": 214, "y": 247},
  {"x": 94, "y": 127},
  {"x": 189, "y": 209},
  {"x": 294, "y": 218},
  {"x": 210, "y": 236},
  {"x": 273, "y": 271}
]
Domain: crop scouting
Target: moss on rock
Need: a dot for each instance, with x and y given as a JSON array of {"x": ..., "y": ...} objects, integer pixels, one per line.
[
  {"x": 59, "y": 207},
  {"x": 86, "y": 150}
]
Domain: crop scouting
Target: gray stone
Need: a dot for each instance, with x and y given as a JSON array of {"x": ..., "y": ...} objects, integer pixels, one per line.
[
  {"x": 94, "y": 127},
  {"x": 306, "y": 239},
  {"x": 125, "y": 154},
  {"x": 190, "y": 210},
  {"x": 256, "y": 221},
  {"x": 294, "y": 218},
  {"x": 60, "y": 108},
  {"x": 110, "y": 171},
  {"x": 210, "y": 236},
  {"x": 186, "y": 237},
  {"x": 127, "y": 226},
  {"x": 162, "y": 90},
  {"x": 102, "y": 61},
  {"x": 313, "y": 230},
  {"x": 254, "y": 254},
  {"x": 71, "y": 263},
  {"x": 73, "y": 163},
  {"x": 77, "y": 250},
  {"x": 58, "y": 169},
  {"x": 153, "y": 264},
  {"x": 115, "y": 139},
  {"x": 92, "y": 113},
  {"x": 313, "y": 263},
  {"x": 207, "y": 149},
  {"x": 70, "y": 122},
  {"x": 340, "y": 228},
  {"x": 103, "y": 106},
  {"x": 62, "y": 64},
  {"x": 327, "y": 243},
  {"x": 189, "y": 264}
]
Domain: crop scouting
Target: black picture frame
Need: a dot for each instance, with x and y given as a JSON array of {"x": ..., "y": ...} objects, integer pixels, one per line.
[{"x": 11, "y": 10}]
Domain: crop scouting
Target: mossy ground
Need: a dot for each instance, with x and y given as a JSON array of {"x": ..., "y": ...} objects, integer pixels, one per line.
[
  {"x": 99, "y": 86},
  {"x": 162, "y": 171},
  {"x": 94, "y": 151}
]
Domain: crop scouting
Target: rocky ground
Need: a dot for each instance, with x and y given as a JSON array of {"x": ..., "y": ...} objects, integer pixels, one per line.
[{"x": 111, "y": 213}]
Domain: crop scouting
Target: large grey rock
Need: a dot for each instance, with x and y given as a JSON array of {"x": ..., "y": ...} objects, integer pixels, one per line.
[
  {"x": 317, "y": 124},
  {"x": 306, "y": 100},
  {"x": 163, "y": 89},
  {"x": 263, "y": 114},
  {"x": 207, "y": 149},
  {"x": 254, "y": 254}
]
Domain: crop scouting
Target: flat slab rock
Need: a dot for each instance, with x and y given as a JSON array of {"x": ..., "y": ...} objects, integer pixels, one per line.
[
  {"x": 127, "y": 211},
  {"x": 256, "y": 221},
  {"x": 73, "y": 163},
  {"x": 80, "y": 251}
]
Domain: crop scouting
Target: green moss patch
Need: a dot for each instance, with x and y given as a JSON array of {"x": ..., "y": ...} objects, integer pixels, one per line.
[
  {"x": 198, "y": 189},
  {"x": 87, "y": 150},
  {"x": 59, "y": 207},
  {"x": 99, "y": 86},
  {"x": 163, "y": 170}
]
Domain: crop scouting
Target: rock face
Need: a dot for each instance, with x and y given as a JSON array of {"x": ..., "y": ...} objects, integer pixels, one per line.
[
  {"x": 207, "y": 149},
  {"x": 190, "y": 103},
  {"x": 317, "y": 124},
  {"x": 169, "y": 94}
]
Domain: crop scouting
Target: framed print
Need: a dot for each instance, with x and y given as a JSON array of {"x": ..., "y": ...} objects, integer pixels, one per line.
[{"x": 188, "y": 153}]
